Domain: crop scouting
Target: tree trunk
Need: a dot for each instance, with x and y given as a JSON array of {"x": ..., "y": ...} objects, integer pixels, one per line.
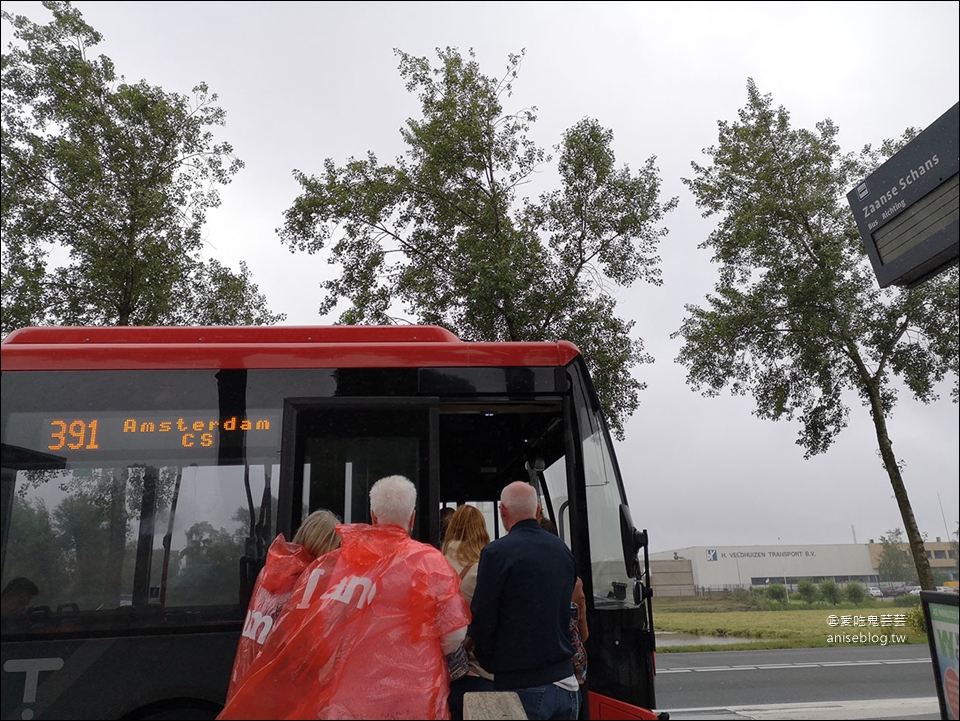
[{"x": 900, "y": 492}]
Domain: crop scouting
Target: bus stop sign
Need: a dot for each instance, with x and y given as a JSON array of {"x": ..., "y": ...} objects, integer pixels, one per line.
[{"x": 907, "y": 209}]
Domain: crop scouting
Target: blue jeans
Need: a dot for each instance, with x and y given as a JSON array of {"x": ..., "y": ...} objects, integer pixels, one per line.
[{"x": 549, "y": 702}]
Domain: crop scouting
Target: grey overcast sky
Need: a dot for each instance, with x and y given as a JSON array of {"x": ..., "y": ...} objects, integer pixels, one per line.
[{"x": 305, "y": 81}]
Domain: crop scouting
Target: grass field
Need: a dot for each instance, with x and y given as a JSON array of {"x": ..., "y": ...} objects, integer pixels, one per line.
[{"x": 796, "y": 625}]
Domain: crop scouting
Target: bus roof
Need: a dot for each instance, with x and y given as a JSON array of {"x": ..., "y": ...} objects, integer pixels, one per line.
[{"x": 201, "y": 347}]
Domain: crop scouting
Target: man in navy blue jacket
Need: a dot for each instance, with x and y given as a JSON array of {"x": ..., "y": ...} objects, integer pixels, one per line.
[{"x": 521, "y": 610}]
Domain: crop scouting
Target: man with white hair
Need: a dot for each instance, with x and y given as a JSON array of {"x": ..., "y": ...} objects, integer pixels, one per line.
[
  {"x": 366, "y": 632},
  {"x": 521, "y": 610}
]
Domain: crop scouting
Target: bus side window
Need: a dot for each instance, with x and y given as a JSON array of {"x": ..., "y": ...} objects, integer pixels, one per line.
[{"x": 130, "y": 546}]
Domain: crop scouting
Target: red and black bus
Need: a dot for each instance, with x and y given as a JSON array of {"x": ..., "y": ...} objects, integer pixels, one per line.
[{"x": 146, "y": 470}]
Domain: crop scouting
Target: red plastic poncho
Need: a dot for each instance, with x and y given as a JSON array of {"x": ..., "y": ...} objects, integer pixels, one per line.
[
  {"x": 360, "y": 636},
  {"x": 285, "y": 562}
]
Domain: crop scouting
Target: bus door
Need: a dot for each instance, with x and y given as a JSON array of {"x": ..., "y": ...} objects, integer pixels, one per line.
[
  {"x": 622, "y": 642},
  {"x": 334, "y": 449}
]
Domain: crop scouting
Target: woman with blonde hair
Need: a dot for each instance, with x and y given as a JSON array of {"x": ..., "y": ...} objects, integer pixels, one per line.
[
  {"x": 465, "y": 537},
  {"x": 285, "y": 562},
  {"x": 318, "y": 533}
]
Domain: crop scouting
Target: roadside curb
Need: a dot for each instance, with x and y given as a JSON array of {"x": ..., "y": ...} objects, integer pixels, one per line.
[{"x": 895, "y": 708}]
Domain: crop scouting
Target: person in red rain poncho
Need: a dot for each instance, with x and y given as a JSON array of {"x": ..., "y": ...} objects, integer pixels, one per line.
[
  {"x": 285, "y": 562},
  {"x": 366, "y": 631}
]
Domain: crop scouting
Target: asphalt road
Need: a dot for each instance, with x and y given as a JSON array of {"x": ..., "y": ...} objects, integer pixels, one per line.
[{"x": 840, "y": 682}]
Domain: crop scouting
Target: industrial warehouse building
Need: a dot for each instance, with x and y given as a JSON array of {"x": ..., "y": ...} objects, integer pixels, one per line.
[{"x": 707, "y": 569}]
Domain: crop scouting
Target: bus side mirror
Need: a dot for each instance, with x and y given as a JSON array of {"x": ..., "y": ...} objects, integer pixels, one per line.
[{"x": 632, "y": 541}]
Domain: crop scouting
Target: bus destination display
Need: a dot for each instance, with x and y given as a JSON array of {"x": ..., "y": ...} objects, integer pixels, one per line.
[{"x": 76, "y": 434}]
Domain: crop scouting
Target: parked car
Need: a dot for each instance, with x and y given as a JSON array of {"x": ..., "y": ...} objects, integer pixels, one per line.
[
  {"x": 894, "y": 592},
  {"x": 875, "y": 593},
  {"x": 940, "y": 589}
]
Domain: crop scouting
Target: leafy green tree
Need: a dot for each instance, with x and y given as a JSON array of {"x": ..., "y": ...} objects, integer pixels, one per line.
[
  {"x": 895, "y": 563},
  {"x": 37, "y": 557},
  {"x": 208, "y": 573},
  {"x": 808, "y": 591},
  {"x": 777, "y": 592},
  {"x": 95, "y": 490},
  {"x": 84, "y": 534},
  {"x": 215, "y": 295},
  {"x": 830, "y": 591},
  {"x": 797, "y": 319},
  {"x": 855, "y": 592},
  {"x": 256, "y": 525},
  {"x": 117, "y": 176},
  {"x": 208, "y": 545},
  {"x": 441, "y": 233},
  {"x": 916, "y": 620}
]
